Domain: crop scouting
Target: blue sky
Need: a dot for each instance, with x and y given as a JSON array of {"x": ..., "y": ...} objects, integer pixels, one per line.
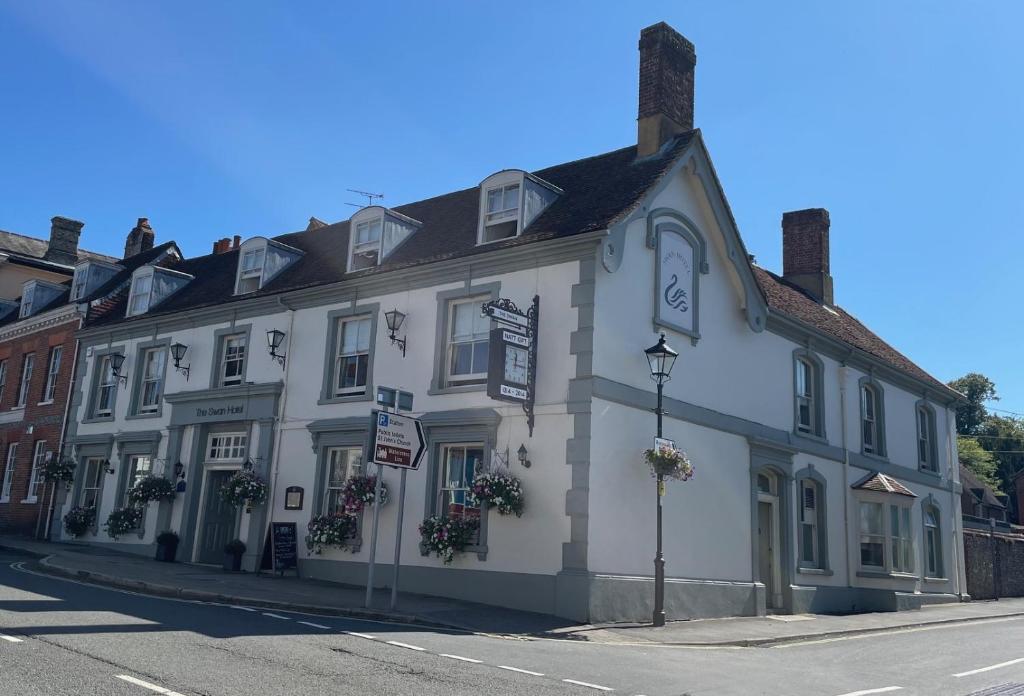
[{"x": 215, "y": 119}]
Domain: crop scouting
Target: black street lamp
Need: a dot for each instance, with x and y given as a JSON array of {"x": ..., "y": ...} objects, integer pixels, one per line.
[{"x": 661, "y": 359}]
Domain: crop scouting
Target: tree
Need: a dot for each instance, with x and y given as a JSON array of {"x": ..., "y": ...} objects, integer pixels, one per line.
[
  {"x": 978, "y": 389},
  {"x": 1003, "y": 437},
  {"x": 979, "y": 460}
]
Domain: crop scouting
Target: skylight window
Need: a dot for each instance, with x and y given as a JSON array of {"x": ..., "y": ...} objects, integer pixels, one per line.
[
  {"x": 376, "y": 232},
  {"x": 509, "y": 201}
]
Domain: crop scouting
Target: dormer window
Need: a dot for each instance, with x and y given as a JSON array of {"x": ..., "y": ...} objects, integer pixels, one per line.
[
  {"x": 375, "y": 232},
  {"x": 151, "y": 285},
  {"x": 252, "y": 271},
  {"x": 89, "y": 275},
  {"x": 37, "y": 294},
  {"x": 509, "y": 201},
  {"x": 259, "y": 261}
]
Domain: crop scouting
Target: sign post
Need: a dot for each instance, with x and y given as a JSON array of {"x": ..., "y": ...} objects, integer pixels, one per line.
[{"x": 397, "y": 442}]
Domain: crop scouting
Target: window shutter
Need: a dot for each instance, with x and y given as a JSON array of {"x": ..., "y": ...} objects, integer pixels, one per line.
[{"x": 809, "y": 497}]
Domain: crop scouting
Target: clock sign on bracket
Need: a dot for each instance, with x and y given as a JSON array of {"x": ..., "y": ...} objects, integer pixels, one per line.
[{"x": 509, "y": 365}]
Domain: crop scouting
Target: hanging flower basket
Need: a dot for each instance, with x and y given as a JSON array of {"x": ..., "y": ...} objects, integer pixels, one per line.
[
  {"x": 122, "y": 521},
  {"x": 447, "y": 536},
  {"x": 59, "y": 470},
  {"x": 669, "y": 463},
  {"x": 359, "y": 492},
  {"x": 149, "y": 489},
  {"x": 244, "y": 488},
  {"x": 501, "y": 491},
  {"x": 79, "y": 520},
  {"x": 330, "y": 530}
]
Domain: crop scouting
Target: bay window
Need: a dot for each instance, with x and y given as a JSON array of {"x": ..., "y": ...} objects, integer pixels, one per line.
[{"x": 886, "y": 538}]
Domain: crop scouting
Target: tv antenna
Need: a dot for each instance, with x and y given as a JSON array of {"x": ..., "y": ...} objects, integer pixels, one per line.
[{"x": 369, "y": 197}]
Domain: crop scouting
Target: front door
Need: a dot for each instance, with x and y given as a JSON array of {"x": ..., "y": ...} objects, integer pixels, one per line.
[
  {"x": 765, "y": 548},
  {"x": 218, "y": 520}
]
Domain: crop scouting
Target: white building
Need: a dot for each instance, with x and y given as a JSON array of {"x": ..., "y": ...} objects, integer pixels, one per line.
[{"x": 824, "y": 457}]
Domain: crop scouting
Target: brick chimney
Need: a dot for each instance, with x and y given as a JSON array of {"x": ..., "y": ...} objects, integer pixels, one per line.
[
  {"x": 805, "y": 252},
  {"x": 140, "y": 239},
  {"x": 63, "y": 246},
  {"x": 222, "y": 245},
  {"x": 667, "y": 62}
]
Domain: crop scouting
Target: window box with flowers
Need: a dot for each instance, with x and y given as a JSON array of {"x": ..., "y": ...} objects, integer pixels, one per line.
[
  {"x": 121, "y": 521},
  {"x": 446, "y": 536},
  {"x": 336, "y": 530},
  {"x": 79, "y": 520}
]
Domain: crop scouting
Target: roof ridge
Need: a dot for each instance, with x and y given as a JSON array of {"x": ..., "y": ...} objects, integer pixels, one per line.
[{"x": 47, "y": 243}]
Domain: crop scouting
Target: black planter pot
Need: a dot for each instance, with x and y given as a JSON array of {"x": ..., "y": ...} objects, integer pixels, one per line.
[
  {"x": 232, "y": 562},
  {"x": 166, "y": 552}
]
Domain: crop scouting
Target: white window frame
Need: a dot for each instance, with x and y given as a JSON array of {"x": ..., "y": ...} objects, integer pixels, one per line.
[
  {"x": 368, "y": 245},
  {"x": 79, "y": 282},
  {"x": 28, "y": 364},
  {"x": 135, "y": 473},
  {"x": 805, "y": 396},
  {"x": 869, "y": 421},
  {"x": 809, "y": 523},
  {"x": 901, "y": 533},
  {"x": 157, "y": 356},
  {"x": 896, "y": 537},
  {"x": 106, "y": 382},
  {"x": 253, "y": 272},
  {"x": 341, "y": 356},
  {"x": 932, "y": 542},
  {"x": 333, "y": 502},
  {"x": 443, "y": 480},
  {"x": 240, "y": 358},
  {"x": 227, "y": 448},
  {"x": 452, "y": 379},
  {"x": 97, "y": 481},
  {"x": 139, "y": 296},
  {"x": 52, "y": 372},
  {"x": 3, "y": 377},
  {"x": 927, "y": 449},
  {"x": 34, "y": 480},
  {"x": 28, "y": 293},
  {"x": 872, "y": 537},
  {"x": 9, "y": 467}
]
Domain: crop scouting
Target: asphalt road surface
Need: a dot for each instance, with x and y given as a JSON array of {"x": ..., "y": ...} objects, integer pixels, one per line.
[{"x": 63, "y": 637}]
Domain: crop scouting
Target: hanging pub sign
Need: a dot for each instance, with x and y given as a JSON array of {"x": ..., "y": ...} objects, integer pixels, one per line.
[
  {"x": 512, "y": 353},
  {"x": 679, "y": 263}
]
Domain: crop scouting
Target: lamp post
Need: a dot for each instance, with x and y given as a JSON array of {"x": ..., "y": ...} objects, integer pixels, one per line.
[{"x": 660, "y": 358}]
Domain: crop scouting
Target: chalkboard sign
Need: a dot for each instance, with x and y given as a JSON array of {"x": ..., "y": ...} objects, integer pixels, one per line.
[{"x": 284, "y": 538}]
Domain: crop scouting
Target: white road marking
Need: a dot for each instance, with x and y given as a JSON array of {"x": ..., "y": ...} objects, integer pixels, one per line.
[
  {"x": 461, "y": 659},
  {"x": 521, "y": 671},
  {"x": 276, "y": 616},
  {"x": 360, "y": 635},
  {"x": 990, "y": 668},
  {"x": 11, "y": 639},
  {"x": 315, "y": 625},
  {"x": 588, "y": 685},
  {"x": 147, "y": 685},
  {"x": 234, "y": 606},
  {"x": 883, "y": 690},
  {"x": 406, "y": 645}
]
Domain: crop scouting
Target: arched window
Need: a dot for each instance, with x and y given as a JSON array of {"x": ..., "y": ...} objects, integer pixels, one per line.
[
  {"x": 808, "y": 387},
  {"x": 872, "y": 418},
  {"x": 927, "y": 449},
  {"x": 932, "y": 542}
]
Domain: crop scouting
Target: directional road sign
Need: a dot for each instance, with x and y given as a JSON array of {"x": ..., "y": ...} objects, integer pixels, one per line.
[{"x": 397, "y": 441}]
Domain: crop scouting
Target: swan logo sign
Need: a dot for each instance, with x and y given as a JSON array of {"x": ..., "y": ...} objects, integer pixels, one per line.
[{"x": 676, "y": 286}]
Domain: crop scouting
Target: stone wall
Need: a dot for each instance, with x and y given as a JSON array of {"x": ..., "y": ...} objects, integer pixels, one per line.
[{"x": 994, "y": 564}]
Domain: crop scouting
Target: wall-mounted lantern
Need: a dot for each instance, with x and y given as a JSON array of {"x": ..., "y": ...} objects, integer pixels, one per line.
[
  {"x": 179, "y": 470},
  {"x": 274, "y": 340},
  {"x": 178, "y": 351},
  {"x": 522, "y": 453},
  {"x": 395, "y": 319},
  {"x": 108, "y": 467},
  {"x": 116, "y": 363}
]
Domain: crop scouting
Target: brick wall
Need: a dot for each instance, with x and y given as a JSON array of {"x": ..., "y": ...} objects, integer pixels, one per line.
[
  {"x": 41, "y": 420},
  {"x": 995, "y": 565}
]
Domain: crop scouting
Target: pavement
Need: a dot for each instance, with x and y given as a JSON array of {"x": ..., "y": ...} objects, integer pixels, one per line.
[
  {"x": 203, "y": 583},
  {"x": 67, "y": 637}
]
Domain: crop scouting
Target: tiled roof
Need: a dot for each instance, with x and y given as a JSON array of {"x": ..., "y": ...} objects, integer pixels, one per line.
[
  {"x": 973, "y": 484},
  {"x": 789, "y": 299},
  {"x": 33, "y": 248},
  {"x": 597, "y": 192},
  {"x": 877, "y": 481}
]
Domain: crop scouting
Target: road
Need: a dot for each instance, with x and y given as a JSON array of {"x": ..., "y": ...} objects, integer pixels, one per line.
[{"x": 63, "y": 637}]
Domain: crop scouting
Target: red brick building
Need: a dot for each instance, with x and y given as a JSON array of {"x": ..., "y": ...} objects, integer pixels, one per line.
[{"x": 37, "y": 357}]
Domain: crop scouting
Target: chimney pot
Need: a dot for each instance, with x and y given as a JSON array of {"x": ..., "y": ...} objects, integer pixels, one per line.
[
  {"x": 805, "y": 254},
  {"x": 63, "y": 245},
  {"x": 667, "y": 62}
]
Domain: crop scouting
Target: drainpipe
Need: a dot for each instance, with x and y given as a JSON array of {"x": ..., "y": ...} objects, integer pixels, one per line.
[
  {"x": 843, "y": 371},
  {"x": 278, "y": 436}
]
